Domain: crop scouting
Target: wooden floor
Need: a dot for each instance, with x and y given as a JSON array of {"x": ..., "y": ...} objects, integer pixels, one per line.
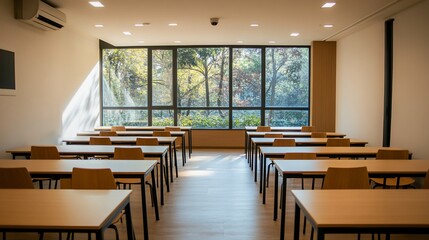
[{"x": 214, "y": 198}]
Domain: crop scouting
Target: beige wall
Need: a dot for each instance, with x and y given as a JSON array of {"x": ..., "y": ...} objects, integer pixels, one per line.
[
  {"x": 360, "y": 81},
  {"x": 50, "y": 68}
]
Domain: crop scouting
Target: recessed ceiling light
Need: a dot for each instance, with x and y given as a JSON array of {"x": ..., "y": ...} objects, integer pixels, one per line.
[
  {"x": 328, "y": 25},
  {"x": 177, "y": 41},
  {"x": 172, "y": 24},
  {"x": 239, "y": 41},
  {"x": 141, "y": 41},
  {"x": 271, "y": 42},
  {"x": 141, "y": 24},
  {"x": 96, "y": 4},
  {"x": 98, "y": 25},
  {"x": 254, "y": 25},
  {"x": 294, "y": 34},
  {"x": 328, "y": 5},
  {"x": 126, "y": 33}
]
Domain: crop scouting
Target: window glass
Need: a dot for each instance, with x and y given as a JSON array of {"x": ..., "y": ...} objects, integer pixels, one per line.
[
  {"x": 214, "y": 119},
  {"x": 124, "y": 117},
  {"x": 243, "y": 118},
  {"x": 162, "y": 77},
  {"x": 281, "y": 118}
]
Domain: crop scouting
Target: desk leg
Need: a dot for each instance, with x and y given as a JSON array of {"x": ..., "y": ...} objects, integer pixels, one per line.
[
  {"x": 161, "y": 176},
  {"x": 167, "y": 180},
  {"x": 321, "y": 235},
  {"x": 276, "y": 193},
  {"x": 154, "y": 195},
  {"x": 99, "y": 235},
  {"x": 171, "y": 162},
  {"x": 144, "y": 208},
  {"x": 264, "y": 179},
  {"x": 283, "y": 205},
  {"x": 245, "y": 142},
  {"x": 183, "y": 151},
  {"x": 175, "y": 159},
  {"x": 190, "y": 142},
  {"x": 129, "y": 221},
  {"x": 296, "y": 222},
  {"x": 261, "y": 173}
]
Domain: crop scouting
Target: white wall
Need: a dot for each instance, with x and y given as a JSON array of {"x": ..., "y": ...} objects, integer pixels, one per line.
[
  {"x": 50, "y": 68},
  {"x": 360, "y": 81}
]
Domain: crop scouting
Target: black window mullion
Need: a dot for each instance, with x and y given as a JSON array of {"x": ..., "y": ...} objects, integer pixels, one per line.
[
  {"x": 175, "y": 86},
  {"x": 149, "y": 87},
  {"x": 231, "y": 53},
  {"x": 263, "y": 72}
]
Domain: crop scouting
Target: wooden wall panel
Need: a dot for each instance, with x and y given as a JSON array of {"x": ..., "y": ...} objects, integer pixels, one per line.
[{"x": 323, "y": 82}]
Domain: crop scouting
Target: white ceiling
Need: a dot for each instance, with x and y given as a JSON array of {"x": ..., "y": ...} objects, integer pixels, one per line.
[{"x": 276, "y": 19}]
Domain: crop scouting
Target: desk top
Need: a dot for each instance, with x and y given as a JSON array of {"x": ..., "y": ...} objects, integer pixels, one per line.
[
  {"x": 65, "y": 167},
  {"x": 116, "y": 140},
  {"x": 276, "y": 129},
  {"x": 365, "y": 208},
  {"x": 396, "y": 167},
  {"x": 130, "y": 133},
  {"x": 294, "y": 134},
  {"x": 59, "y": 209},
  {"x": 141, "y": 128},
  {"x": 306, "y": 141},
  {"x": 355, "y": 151},
  {"x": 93, "y": 149}
]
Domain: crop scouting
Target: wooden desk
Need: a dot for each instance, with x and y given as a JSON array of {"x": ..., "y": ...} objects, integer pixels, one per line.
[
  {"x": 273, "y": 129},
  {"x": 91, "y": 150},
  {"x": 153, "y": 128},
  {"x": 318, "y": 168},
  {"x": 25, "y": 210},
  {"x": 180, "y": 134},
  {"x": 363, "y": 211},
  {"x": 306, "y": 142},
  {"x": 120, "y": 168},
  {"x": 251, "y": 135},
  {"x": 170, "y": 141},
  {"x": 334, "y": 152}
]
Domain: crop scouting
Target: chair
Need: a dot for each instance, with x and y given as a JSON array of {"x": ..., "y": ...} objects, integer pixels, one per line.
[
  {"x": 307, "y": 129},
  {"x": 393, "y": 154},
  {"x": 178, "y": 146},
  {"x": 302, "y": 156},
  {"x": 344, "y": 178},
  {"x": 46, "y": 152},
  {"x": 147, "y": 141},
  {"x": 93, "y": 178},
  {"x": 338, "y": 142},
  {"x": 128, "y": 154},
  {"x": 426, "y": 182},
  {"x": 279, "y": 142},
  {"x": 15, "y": 178},
  {"x": 273, "y": 135},
  {"x": 100, "y": 141},
  {"x": 263, "y": 129},
  {"x": 108, "y": 133},
  {"x": 118, "y": 128},
  {"x": 318, "y": 135},
  {"x": 161, "y": 134}
]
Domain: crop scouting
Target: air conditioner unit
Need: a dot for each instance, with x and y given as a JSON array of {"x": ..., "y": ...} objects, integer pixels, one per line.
[{"x": 39, "y": 14}]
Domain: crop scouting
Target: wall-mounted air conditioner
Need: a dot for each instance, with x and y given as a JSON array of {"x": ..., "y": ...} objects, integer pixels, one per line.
[{"x": 39, "y": 14}]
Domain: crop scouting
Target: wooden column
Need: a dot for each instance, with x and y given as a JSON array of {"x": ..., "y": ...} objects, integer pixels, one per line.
[{"x": 323, "y": 85}]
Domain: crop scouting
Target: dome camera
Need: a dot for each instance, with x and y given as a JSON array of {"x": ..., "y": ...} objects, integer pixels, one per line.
[{"x": 214, "y": 21}]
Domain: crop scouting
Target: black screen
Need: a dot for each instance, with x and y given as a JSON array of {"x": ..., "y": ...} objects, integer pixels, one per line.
[{"x": 7, "y": 69}]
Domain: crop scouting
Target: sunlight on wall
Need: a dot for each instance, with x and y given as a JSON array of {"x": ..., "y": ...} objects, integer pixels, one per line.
[{"x": 83, "y": 111}]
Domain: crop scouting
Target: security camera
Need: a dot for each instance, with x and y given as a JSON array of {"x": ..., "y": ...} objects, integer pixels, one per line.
[{"x": 214, "y": 21}]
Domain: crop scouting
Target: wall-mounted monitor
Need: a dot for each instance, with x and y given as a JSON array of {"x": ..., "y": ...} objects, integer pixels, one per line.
[{"x": 7, "y": 73}]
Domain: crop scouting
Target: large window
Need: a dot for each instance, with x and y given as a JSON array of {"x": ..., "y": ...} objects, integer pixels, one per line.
[{"x": 206, "y": 87}]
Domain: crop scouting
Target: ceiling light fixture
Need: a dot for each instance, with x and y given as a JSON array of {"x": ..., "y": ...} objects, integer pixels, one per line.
[
  {"x": 328, "y": 25},
  {"x": 294, "y": 34},
  {"x": 96, "y": 4},
  {"x": 254, "y": 25},
  {"x": 141, "y": 41},
  {"x": 141, "y": 24},
  {"x": 127, "y": 33},
  {"x": 271, "y": 42},
  {"x": 172, "y": 24},
  {"x": 98, "y": 25},
  {"x": 328, "y": 5},
  {"x": 177, "y": 41},
  {"x": 239, "y": 42}
]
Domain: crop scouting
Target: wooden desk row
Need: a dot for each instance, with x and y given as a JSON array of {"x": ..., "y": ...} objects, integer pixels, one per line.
[
  {"x": 376, "y": 168},
  {"x": 63, "y": 169},
  {"x": 91, "y": 150}
]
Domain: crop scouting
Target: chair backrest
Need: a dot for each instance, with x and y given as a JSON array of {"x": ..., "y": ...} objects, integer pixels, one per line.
[
  {"x": 263, "y": 129},
  {"x": 426, "y": 182},
  {"x": 92, "y": 178},
  {"x": 346, "y": 178},
  {"x": 118, "y": 128},
  {"x": 392, "y": 154},
  {"x": 307, "y": 129},
  {"x": 147, "y": 141},
  {"x": 298, "y": 155},
  {"x": 318, "y": 135},
  {"x": 108, "y": 133},
  {"x": 15, "y": 178},
  {"x": 284, "y": 142},
  {"x": 44, "y": 152},
  {"x": 273, "y": 135},
  {"x": 338, "y": 142},
  {"x": 172, "y": 129},
  {"x": 100, "y": 141},
  {"x": 128, "y": 154},
  {"x": 161, "y": 134}
]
